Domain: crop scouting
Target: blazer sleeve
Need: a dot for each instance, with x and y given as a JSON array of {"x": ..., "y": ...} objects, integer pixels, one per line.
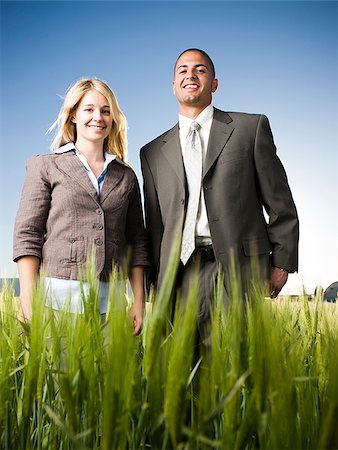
[
  {"x": 283, "y": 226},
  {"x": 154, "y": 224},
  {"x": 31, "y": 218},
  {"x": 135, "y": 232}
]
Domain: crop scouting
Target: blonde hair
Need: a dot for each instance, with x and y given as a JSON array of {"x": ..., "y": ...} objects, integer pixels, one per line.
[{"x": 115, "y": 142}]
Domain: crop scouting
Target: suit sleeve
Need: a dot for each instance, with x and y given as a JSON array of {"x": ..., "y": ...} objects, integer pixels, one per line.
[
  {"x": 154, "y": 225},
  {"x": 31, "y": 218},
  {"x": 283, "y": 226}
]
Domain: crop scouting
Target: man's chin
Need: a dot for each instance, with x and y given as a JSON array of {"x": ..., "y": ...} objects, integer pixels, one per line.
[{"x": 192, "y": 100}]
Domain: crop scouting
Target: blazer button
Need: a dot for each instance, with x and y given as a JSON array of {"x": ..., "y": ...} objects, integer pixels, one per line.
[
  {"x": 98, "y": 211},
  {"x": 98, "y": 241},
  {"x": 182, "y": 201}
]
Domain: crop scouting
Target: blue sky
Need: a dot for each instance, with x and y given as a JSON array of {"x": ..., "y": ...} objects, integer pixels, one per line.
[{"x": 276, "y": 58}]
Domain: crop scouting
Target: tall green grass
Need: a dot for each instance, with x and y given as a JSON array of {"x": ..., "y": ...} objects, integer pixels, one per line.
[{"x": 269, "y": 381}]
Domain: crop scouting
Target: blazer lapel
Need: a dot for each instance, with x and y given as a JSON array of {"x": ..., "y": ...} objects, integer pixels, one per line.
[
  {"x": 70, "y": 164},
  {"x": 171, "y": 149},
  {"x": 112, "y": 178},
  {"x": 220, "y": 133}
]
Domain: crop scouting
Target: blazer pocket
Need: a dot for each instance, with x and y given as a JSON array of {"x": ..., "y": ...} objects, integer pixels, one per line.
[
  {"x": 72, "y": 251},
  {"x": 259, "y": 246}
]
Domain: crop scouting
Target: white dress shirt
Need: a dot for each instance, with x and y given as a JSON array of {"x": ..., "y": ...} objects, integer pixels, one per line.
[{"x": 202, "y": 231}]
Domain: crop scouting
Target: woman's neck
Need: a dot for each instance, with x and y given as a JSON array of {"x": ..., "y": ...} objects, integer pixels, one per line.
[{"x": 92, "y": 151}]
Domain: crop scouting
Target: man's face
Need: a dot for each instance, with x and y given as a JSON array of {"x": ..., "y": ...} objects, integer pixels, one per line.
[{"x": 194, "y": 81}]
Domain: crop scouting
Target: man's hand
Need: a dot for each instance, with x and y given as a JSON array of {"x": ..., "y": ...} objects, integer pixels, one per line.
[{"x": 278, "y": 277}]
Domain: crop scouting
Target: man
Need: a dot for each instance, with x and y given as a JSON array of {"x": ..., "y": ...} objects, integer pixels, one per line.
[{"x": 239, "y": 174}]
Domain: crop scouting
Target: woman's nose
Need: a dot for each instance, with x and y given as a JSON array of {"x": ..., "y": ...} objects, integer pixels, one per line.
[{"x": 97, "y": 114}]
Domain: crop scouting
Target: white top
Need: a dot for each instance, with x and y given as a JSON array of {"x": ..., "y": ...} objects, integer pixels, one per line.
[
  {"x": 66, "y": 294},
  {"x": 205, "y": 120}
]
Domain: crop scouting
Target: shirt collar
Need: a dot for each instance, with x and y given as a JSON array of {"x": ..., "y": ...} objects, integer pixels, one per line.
[
  {"x": 65, "y": 148},
  {"x": 204, "y": 119},
  {"x": 71, "y": 146}
]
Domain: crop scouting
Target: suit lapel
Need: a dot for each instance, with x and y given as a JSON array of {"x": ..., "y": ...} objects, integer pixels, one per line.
[
  {"x": 171, "y": 149},
  {"x": 112, "y": 178},
  {"x": 70, "y": 164},
  {"x": 220, "y": 133}
]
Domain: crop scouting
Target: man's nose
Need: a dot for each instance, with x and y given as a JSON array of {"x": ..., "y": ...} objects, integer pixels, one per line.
[{"x": 190, "y": 74}]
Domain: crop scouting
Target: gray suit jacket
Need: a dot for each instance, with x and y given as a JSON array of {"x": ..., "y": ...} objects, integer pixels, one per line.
[
  {"x": 241, "y": 174},
  {"x": 61, "y": 218}
]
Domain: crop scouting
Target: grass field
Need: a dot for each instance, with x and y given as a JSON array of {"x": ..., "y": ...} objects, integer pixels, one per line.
[{"x": 270, "y": 380}]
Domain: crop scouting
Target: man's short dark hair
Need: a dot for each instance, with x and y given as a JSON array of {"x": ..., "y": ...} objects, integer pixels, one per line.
[{"x": 204, "y": 54}]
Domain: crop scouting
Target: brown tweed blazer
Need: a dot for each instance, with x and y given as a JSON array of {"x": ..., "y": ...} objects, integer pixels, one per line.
[{"x": 61, "y": 218}]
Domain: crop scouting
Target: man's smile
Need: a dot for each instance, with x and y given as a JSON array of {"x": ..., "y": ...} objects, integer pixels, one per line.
[{"x": 191, "y": 86}]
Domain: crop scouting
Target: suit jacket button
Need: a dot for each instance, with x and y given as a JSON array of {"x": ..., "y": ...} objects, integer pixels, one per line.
[{"x": 182, "y": 201}]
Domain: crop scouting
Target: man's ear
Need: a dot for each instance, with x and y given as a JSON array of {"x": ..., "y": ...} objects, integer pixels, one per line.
[
  {"x": 173, "y": 85},
  {"x": 214, "y": 85}
]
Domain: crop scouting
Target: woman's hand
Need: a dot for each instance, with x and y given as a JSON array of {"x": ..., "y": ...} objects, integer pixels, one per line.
[
  {"x": 137, "y": 284},
  {"x": 136, "y": 315},
  {"x": 25, "y": 309}
]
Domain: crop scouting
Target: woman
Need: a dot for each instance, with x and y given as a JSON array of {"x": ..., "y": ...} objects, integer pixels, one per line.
[{"x": 81, "y": 197}]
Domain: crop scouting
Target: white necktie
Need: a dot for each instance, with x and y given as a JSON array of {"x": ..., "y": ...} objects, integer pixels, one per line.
[{"x": 192, "y": 158}]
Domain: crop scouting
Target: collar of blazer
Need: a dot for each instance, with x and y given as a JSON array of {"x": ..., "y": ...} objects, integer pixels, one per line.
[
  {"x": 70, "y": 164},
  {"x": 220, "y": 133}
]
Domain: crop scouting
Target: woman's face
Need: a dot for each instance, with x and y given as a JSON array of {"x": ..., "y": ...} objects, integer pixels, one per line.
[{"x": 92, "y": 118}]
